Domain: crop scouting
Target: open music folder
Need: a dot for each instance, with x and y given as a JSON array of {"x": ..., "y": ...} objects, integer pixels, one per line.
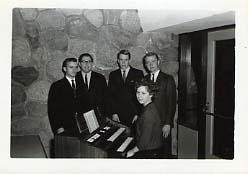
[{"x": 90, "y": 119}]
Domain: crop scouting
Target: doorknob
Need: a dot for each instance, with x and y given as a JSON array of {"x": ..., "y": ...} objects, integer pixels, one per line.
[{"x": 205, "y": 107}]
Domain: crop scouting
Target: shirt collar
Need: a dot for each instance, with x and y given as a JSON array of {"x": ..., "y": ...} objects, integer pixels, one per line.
[
  {"x": 126, "y": 70},
  {"x": 69, "y": 79},
  {"x": 88, "y": 74},
  {"x": 156, "y": 75}
]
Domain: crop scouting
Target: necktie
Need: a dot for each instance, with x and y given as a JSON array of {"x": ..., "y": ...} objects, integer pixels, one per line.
[
  {"x": 124, "y": 75},
  {"x": 86, "y": 81},
  {"x": 73, "y": 84},
  {"x": 73, "y": 87},
  {"x": 153, "y": 79}
]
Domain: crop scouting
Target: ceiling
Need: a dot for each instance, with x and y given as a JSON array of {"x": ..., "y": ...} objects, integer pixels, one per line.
[{"x": 184, "y": 21}]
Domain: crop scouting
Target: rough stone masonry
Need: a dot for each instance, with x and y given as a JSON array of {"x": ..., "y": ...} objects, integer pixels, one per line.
[{"x": 43, "y": 38}]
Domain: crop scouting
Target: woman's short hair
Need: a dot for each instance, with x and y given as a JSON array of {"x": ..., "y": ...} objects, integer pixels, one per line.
[{"x": 151, "y": 87}]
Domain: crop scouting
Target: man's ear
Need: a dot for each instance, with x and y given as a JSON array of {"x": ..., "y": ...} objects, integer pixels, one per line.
[
  {"x": 118, "y": 62},
  {"x": 79, "y": 65},
  {"x": 64, "y": 69}
]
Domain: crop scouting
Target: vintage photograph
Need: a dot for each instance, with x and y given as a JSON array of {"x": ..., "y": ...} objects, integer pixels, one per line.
[{"x": 122, "y": 84}]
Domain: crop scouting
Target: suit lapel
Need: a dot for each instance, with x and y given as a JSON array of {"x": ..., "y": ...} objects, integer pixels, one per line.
[
  {"x": 80, "y": 82},
  {"x": 92, "y": 80},
  {"x": 67, "y": 85},
  {"x": 82, "y": 79},
  {"x": 79, "y": 78},
  {"x": 120, "y": 76},
  {"x": 158, "y": 80},
  {"x": 129, "y": 75}
]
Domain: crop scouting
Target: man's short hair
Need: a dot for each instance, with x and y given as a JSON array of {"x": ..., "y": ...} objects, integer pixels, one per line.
[
  {"x": 150, "y": 54},
  {"x": 70, "y": 59},
  {"x": 125, "y": 52},
  {"x": 85, "y": 55}
]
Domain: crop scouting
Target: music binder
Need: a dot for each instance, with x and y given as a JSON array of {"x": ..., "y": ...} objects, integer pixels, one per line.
[
  {"x": 87, "y": 120},
  {"x": 91, "y": 120},
  {"x": 81, "y": 123}
]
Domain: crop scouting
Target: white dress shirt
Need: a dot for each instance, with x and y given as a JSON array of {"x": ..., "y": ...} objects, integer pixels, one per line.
[
  {"x": 88, "y": 77},
  {"x": 70, "y": 80},
  {"x": 155, "y": 75},
  {"x": 126, "y": 71}
]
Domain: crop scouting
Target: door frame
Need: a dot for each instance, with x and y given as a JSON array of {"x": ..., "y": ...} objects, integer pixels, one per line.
[
  {"x": 212, "y": 38},
  {"x": 185, "y": 51}
]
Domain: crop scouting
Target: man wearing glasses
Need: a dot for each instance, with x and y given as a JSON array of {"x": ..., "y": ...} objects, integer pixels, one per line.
[{"x": 92, "y": 86}]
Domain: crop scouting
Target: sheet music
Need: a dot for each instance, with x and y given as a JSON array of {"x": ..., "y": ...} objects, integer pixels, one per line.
[
  {"x": 91, "y": 120},
  {"x": 116, "y": 134},
  {"x": 93, "y": 138},
  {"x": 125, "y": 144}
]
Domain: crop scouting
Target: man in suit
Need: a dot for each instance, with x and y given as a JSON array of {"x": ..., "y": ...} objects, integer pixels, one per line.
[
  {"x": 62, "y": 100},
  {"x": 124, "y": 107},
  {"x": 92, "y": 87},
  {"x": 165, "y": 99}
]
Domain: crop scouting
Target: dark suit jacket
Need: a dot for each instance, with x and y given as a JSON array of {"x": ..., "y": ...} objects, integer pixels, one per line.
[
  {"x": 123, "y": 95},
  {"x": 95, "y": 96},
  {"x": 62, "y": 106},
  {"x": 149, "y": 135},
  {"x": 165, "y": 99}
]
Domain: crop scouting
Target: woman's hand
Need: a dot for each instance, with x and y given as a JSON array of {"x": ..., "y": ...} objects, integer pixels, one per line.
[
  {"x": 131, "y": 152},
  {"x": 166, "y": 130},
  {"x": 60, "y": 130},
  {"x": 115, "y": 117},
  {"x": 134, "y": 119}
]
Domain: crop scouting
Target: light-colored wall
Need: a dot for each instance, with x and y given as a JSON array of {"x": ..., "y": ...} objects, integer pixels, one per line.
[{"x": 43, "y": 38}]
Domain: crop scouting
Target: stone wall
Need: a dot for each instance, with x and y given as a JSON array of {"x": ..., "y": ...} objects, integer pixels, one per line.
[{"x": 43, "y": 38}]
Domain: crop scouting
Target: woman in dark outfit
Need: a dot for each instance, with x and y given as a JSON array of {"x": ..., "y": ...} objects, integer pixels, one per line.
[{"x": 148, "y": 130}]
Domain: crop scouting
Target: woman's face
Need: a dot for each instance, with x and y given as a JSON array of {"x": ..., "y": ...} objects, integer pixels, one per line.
[{"x": 143, "y": 96}]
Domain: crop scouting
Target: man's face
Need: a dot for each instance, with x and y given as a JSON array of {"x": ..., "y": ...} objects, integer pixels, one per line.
[
  {"x": 71, "y": 69},
  {"x": 86, "y": 64},
  {"x": 152, "y": 64},
  {"x": 123, "y": 61}
]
